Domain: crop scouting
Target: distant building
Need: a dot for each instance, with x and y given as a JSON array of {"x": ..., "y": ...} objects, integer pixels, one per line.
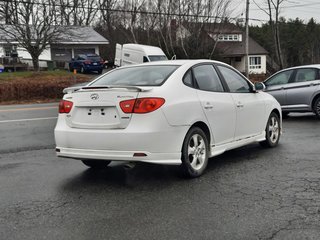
[
  {"x": 73, "y": 41},
  {"x": 230, "y": 45}
]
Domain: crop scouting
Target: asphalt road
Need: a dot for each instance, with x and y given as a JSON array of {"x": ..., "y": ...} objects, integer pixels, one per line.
[
  {"x": 248, "y": 193},
  {"x": 27, "y": 127}
]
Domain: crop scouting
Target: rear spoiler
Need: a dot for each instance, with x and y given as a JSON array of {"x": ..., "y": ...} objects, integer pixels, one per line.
[{"x": 132, "y": 88}]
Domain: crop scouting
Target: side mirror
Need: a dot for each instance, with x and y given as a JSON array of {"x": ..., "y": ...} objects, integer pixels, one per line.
[{"x": 259, "y": 86}]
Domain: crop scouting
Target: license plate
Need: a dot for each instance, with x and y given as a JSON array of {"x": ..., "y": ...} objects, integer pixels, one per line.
[
  {"x": 97, "y": 112},
  {"x": 95, "y": 63}
]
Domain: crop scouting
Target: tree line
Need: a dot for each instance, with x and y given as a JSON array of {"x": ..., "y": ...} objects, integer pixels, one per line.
[{"x": 300, "y": 41}]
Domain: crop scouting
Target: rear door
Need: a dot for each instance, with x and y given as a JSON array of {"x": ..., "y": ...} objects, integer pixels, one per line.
[
  {"x": 217, "y": 104},
  {"x": 250, "y": 107},
  {"x": 118, "y": 55},
  {"x": 300, "y": 91},
  {"x": 277, "y": 84}
]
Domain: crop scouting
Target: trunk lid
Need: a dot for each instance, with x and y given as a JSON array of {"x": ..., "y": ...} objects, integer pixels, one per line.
[{"x": 99, "y": 107}]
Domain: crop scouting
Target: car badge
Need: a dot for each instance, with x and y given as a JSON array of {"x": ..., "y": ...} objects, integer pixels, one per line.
[{"x": 94, "y": 96}]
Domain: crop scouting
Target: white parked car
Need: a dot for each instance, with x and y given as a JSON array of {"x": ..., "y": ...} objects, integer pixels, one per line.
[{"x": 171, "y": 112}]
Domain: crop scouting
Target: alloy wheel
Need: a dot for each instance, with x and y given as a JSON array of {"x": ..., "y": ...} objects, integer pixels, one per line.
[
  {"x": 197, "y": 151},
  {"x": 273, "y": 129},
  {"x": 317, "y": 108}
]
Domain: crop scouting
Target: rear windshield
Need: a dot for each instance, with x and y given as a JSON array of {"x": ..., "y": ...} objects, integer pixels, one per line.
[
  {"x": 137, "y": 76},
  {"x": 157, "y": 58},
  {"x": 94, "y": 58}
]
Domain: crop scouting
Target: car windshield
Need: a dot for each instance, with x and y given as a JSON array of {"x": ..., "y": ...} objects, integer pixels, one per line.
[
  {"x": 94, "y": 58},
  {"x": 154, "y": 58},
  {"x": 137, "y": 76}
]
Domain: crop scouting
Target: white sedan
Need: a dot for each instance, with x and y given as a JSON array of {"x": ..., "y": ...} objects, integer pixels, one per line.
[{"x": 178, "y": 112}]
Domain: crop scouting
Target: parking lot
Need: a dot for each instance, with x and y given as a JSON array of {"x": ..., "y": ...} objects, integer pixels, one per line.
[{"x": 247, "y": 193}]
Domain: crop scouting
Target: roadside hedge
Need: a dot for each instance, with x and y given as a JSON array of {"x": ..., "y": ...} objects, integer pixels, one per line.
[{"x": 37, "y": 87}]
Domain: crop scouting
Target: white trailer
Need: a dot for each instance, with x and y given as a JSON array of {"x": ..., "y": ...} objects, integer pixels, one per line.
[{"x": 128, "y": 54}]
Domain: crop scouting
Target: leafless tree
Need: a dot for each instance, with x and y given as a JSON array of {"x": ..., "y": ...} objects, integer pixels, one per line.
[
  {"x": 31, "y": 24},
  {"x": 77, "y": 12},
  {"x": 273, "y": 11},
  {"x": 108, "y": 16},
  {"x": 199, "y": 19},
  {"x": 220, "y": 9},
  {"x": 4, "y": 11}
]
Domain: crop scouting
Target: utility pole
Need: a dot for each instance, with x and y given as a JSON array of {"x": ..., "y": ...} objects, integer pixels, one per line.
[{"x": 247, "y": 40}]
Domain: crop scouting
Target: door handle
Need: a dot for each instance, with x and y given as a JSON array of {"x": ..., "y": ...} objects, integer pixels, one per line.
[
  {"x": 240, "y": 105},
  {"x": 208, "y": 106}
]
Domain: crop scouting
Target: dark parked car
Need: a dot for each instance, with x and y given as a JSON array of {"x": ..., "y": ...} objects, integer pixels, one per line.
[
  {"x": 87, "y": 63},
  {"x": 297, "y": 89}
]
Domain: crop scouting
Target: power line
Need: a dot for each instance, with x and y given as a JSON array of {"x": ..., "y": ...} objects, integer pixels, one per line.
[
  {"x": 159, "y": 13},
  {"x": 292, "y": 6}
]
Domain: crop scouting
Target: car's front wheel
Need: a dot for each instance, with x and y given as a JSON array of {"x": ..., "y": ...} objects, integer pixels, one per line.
[
  {"x": 82, "y": 70},
  {"x": 316, "y": 107},
  {"x": 273, "y": 131},
  {"x": 96, "y": 164},
  {"x": 195, "y": 153}
]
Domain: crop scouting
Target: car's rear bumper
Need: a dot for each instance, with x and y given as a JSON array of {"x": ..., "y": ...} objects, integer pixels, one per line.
[
  {"x": 93, "y": 68},
  {"x": 87, "y": 154},
  {"x": 156, "y": 141}
]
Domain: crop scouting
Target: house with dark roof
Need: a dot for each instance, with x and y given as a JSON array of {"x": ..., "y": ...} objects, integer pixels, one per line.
[
  {"x": 74, "y": 40},
  {"x": 229, "y": 42}
]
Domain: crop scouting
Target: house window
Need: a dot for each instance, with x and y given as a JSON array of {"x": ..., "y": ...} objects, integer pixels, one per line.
[
  {"x": 7, "y": 50},
  {"x": 255, "y": 63},
  {"x": 229, "y": 37}
]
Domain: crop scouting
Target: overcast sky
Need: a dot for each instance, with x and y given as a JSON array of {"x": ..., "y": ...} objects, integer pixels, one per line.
[{"x": 290, "y": 9}]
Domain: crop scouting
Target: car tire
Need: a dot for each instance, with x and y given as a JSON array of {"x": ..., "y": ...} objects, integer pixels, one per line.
[
  {"x": 96, "y": 164},
  {"x": 273, "y": 131},
  {"x": 99, "y": 71},
  {"x": 70, "y": 68},
  {"x": 82, "y": 70},
  {"x": 195, "y": 152},
  {"x": 316, "y": 107}
]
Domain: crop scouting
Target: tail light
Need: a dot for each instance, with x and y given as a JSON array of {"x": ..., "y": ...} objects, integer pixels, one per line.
[
  {"x": 87, "y": 62},
  {"x": 127, "y": 105},
  {"x": 101, "y": 61},
  {"x": 65, "y": 106},
  {"x": 141, "y": 105}
]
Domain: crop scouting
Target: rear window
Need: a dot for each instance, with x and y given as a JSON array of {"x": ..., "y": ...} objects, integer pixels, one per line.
[
  {"x": 94, "y": 58},
  {"x": 137, "y": 76},
  {"x": 154, "y": 58}
]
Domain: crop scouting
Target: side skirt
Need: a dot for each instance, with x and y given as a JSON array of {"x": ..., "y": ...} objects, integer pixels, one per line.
[{"x": 217, "y": 150}]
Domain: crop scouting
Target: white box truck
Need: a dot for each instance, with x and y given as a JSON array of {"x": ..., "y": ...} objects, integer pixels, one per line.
[{"x": 130, "y": 53}]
